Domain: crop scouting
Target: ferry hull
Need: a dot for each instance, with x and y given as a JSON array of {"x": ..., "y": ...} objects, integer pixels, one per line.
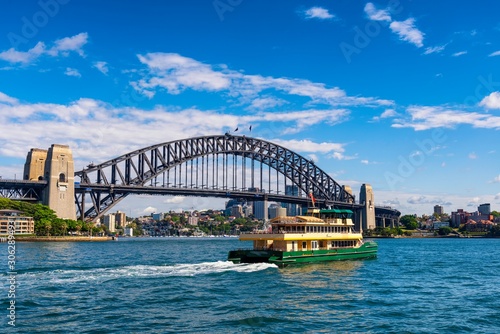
[{"x": 282, "y": 259}]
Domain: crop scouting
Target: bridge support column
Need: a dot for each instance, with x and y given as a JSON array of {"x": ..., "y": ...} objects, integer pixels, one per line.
[
  {"x": 54, "y": 165},
  {"x": 366, "y": 198}
]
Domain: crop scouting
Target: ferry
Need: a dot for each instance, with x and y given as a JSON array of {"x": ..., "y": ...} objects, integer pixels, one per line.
[{"x": 321, "y": 235}]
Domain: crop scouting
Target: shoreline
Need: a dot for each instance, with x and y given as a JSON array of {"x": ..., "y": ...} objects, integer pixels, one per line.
[{"x": 61, "y": 239}]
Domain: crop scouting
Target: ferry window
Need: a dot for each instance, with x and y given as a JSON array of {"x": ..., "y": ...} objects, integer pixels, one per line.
[
  {"x": 304, "y": 245},
  {"x": 314, "y": 244}
]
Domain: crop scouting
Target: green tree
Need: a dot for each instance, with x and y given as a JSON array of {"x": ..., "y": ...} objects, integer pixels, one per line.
[
  {"x": 409, "y": 222},
  {"x": 495, "y": 231},
  {"x": 445, "y": 230},
  {"x": 220, "y": 219}
]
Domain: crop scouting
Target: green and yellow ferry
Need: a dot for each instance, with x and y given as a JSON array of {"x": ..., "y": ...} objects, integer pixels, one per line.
[{"x": 321, "y": 235}]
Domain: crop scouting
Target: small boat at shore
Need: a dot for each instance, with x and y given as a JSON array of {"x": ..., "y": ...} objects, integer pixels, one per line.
[{"x": 321, "y": 235}]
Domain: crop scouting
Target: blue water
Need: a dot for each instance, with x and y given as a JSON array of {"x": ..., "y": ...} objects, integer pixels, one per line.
[{"x": 184, "y": 285}]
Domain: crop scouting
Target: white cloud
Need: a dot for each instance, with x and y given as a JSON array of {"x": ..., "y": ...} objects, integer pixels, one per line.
[
  {"x": 494, "y": 54},
  {"x": 318, "y": 13},
  {"x": 341, "y": 156},
  {"x": 426, "y": 200},
  {"x": 313, "y": 157},
  {"x": 408, "y": 32},
  {"x": 175, "y": 74},
  {"x": 69, "y": 44},
  {"x": 4, "y": 98},
  {"x": 474, "y": 201},
  {"x": 175, "y": 200},
  {"x": 491, "y": 101},
  {"x": 62, "y": 47},
  {"x": 434, "y": 49},
  {"x": 365, "y": 162},
  {"x": 102, "y": 66},
  {"x": 12, "y": 56},
  {"x": 89, "y": 125},
  {"x": 496, "y": 179},
  {"x": 377, "y": 14},
  {"x": 266, "y": 103},
  {"x": 310, "y": 146},
  {"x": 149, "y": 210},
  {"x": 389, "y": 113},
  {"x": 458, "y": 54},
  {"x": 427, "y": 117},
  {"x": 72, "y": 72},
  {"x": 472, "y": 156}
]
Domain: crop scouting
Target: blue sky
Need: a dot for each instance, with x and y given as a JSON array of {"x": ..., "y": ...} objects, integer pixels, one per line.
[{"x": 404, "y": 95}]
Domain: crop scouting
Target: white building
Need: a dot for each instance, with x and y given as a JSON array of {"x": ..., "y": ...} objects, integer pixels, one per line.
[
  {"x": 128, "y": 232},
  {"x": 110, "y": 222},
  {"x": 22, "y": 224}
]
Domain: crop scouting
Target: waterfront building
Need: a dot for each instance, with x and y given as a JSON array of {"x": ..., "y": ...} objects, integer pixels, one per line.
[
  {"x": 237, "y": 211},
  {"x": 129, "y": 232},
  {"x": 23, "y": 224},
  {"x": 484, "y": 209},
  {"x": 110, "y": 222},
  {"x": 120, "y": 219},
  {"x": 459, "y": 217},
  {"x": 437, "y": 225},
  {"x": 158, "y": 216},
  {"x": 247, "y": 210},
  {"x": 276, "y": 211},
  {"x": 438, "y": 209},
  {"x": 478, "y": 226},
  {"x": 192, "y": 220}
]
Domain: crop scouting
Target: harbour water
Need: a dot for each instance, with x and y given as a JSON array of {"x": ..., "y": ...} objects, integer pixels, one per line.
[{"x": 184, "y": 285}]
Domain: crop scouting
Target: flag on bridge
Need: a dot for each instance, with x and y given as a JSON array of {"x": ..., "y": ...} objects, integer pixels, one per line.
[{"x": 313, "y": 200}]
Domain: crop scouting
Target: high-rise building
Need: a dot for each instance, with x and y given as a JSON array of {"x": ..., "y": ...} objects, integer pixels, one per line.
[
  {"x": 120, "y": 219},
  {"x": 260, "y": 209},
  {"x": 259, "y": 206},
  {"x": 276, "y": 211},
  {"x": 438, "y": 209},
  {"x": 484, "y": 209},
  {"x": 110, "y": 222},
  {"x": 291, "y": 209},
  {"x": 237, "y": 211}
]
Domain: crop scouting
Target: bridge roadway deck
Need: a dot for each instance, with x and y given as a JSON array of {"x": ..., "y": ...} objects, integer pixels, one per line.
[
  {"x": 207, "y": 192},
  {"x": 198, "y": 192},
  {"x": 22, "y": 184}
]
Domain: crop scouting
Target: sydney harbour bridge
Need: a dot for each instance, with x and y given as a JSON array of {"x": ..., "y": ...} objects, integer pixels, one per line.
[{"x": 226, "y": 166}]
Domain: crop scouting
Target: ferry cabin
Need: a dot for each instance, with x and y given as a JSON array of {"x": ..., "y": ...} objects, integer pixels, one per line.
[{"x": 321, "y": 230}]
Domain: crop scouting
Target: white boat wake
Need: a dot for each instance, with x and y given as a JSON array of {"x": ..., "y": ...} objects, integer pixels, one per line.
[{"x": 98, "y": 275}]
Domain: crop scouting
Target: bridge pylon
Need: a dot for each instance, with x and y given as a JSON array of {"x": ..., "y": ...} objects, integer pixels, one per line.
[
  {"x": 55, "y": 166},
  {"x": 366, "y": 199}
]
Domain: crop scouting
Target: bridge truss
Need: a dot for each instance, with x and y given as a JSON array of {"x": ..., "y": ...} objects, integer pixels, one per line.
[{"x": 214, "y": 166}]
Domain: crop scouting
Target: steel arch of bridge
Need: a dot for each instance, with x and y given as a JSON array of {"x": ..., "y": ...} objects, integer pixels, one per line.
[{"x": 111, "y": 181}]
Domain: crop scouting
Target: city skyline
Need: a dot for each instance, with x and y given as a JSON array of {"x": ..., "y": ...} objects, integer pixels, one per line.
[{"x": 402, "y": 95}]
